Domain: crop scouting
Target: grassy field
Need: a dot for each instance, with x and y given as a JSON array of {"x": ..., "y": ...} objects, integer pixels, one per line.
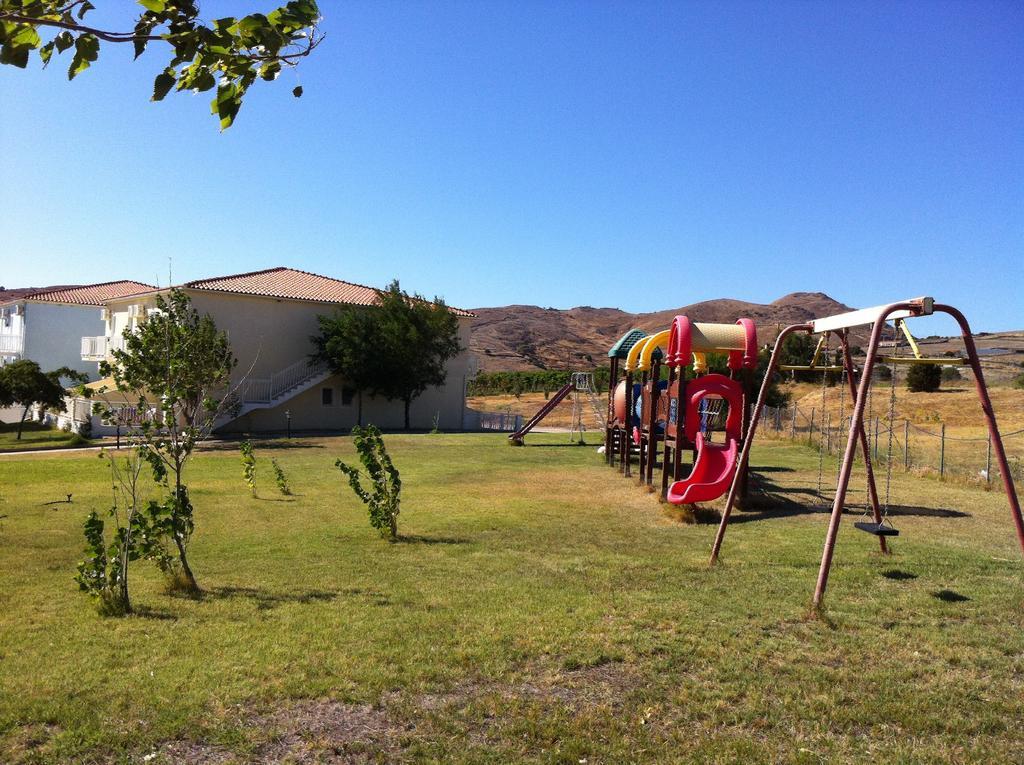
[
  {"x": 36, "y": 436},
  {"x": 540, "y": 608}
]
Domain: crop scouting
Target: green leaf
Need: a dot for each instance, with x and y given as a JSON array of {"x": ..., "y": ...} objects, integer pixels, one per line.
[
  {"x": 84, "y": 8},
  {"x": 297, "y": 91},
  {"x": 45, "y": 52},
  {"x": 24, "y": 36},
  {"x": 270, "y": 70},
  {"x": 63, "y": 41},
  {"x": 87, "y": 50},
  {"x": 14, "y": 56},
  {"x": 157, "y": 6},
  {"x": 226, "y": 104},
  {"x": 162, "y": 84}
]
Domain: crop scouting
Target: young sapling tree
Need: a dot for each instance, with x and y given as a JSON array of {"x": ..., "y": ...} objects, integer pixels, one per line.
[
  {"x": 381, "y": 496},
  {"x": 177, "y": 365},
  {"x": 248, "y": 465},
  {"x": 281, "y": 479}
]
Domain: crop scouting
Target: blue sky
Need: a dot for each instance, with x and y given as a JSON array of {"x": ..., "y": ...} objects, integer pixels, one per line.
[{"x": 638, "y": 154}]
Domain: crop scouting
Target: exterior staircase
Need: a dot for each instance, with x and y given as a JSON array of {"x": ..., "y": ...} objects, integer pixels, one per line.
[{"x": 268, "y": 392}]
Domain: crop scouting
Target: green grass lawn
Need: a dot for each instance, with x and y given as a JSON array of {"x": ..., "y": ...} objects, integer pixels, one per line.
[
  {"x": 36, "y": 436},
  {"x": 541, "y": 608}
]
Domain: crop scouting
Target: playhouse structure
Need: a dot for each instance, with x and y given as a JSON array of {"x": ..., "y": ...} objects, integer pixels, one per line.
[{"x": 681, "y": 415}]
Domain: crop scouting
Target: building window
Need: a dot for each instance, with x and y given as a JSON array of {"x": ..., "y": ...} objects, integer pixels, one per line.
[
  {"x": 327, "y": 396},
  {"x": 347, "y": 394}
]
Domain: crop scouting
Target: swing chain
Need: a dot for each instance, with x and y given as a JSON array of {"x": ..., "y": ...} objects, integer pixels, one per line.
[{"x": 821, "y": 429}]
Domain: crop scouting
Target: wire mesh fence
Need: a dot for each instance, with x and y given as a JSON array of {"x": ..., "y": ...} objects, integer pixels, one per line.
[{"x": 927, "y": 448}]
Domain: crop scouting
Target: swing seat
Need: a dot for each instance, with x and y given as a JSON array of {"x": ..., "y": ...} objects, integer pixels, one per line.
[{"x": 878, "y": 529}]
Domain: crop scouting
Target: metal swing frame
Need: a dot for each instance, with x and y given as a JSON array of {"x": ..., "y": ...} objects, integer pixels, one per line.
[{"x": 841, "y": 323}]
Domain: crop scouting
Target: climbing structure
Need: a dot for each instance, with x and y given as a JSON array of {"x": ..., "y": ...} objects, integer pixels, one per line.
[{"x": 678, "y": 416}]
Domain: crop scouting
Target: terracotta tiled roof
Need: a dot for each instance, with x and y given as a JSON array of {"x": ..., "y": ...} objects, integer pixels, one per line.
[
  {"x": 20, "y": 293},
  {"x": 290, "y": 283},
  {"x": 90, "y": 294}
]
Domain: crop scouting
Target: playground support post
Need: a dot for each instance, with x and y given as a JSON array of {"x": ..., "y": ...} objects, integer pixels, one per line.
[
  {"x": 916, "y": 307},
  {"x": 748, "y": 436},
  {"x": 990, "y": 418}
]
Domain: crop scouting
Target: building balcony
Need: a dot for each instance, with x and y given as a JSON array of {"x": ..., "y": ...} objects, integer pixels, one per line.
[
  {"x": 12, "y": 345},
  {"x": 95, "y": 348}
]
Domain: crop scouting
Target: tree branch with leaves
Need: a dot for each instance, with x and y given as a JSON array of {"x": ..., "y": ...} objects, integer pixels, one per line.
[{"x": 227, "y": 54}]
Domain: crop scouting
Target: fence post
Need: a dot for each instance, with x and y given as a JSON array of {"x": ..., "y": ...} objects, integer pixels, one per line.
[
  {"x": 792, "y": 426},
  {"x": 942, "y": 451},
  {"x": 906, "y": 444},
  {"x": 988, "y": 462}
]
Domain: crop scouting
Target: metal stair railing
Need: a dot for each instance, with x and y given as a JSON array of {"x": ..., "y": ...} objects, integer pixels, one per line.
[{"x": 263, "y": 390}]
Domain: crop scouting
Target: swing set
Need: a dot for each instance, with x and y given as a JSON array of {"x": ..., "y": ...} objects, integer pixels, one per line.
[{"x": 839, "y": 325}]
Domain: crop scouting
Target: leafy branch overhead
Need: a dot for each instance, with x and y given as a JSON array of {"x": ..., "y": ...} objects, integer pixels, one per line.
[{"x": 227, "y": 54}]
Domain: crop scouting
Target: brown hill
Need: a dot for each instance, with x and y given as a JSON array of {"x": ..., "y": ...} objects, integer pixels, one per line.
[{"x": 523, "y": 337}]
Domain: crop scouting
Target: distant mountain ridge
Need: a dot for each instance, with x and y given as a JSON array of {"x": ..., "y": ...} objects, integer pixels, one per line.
[{"x": 528, "y": 337}]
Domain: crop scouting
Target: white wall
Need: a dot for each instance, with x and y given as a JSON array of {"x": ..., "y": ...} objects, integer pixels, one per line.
[{"x": 54, "y": 332}]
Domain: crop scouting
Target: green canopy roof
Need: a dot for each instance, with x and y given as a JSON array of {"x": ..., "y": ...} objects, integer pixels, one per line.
[{"x": 627, "y": 341}]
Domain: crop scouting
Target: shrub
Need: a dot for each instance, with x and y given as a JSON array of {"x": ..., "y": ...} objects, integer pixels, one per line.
[
  {"x": 923, "y": 378},
  {"x": 951, "y": 374},
  {"x": 382, "y": 498},
  {"x": 1018, "y": 381}
]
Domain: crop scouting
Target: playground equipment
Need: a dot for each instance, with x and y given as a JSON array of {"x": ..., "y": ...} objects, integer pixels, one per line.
[
  {"x": 840, "y": 325},
  {"x": 581, "y": 386},
  {"x": 584, "y": 393},
  {"x": 681, "y": 415},
  {"x": 617, "y": 424}
]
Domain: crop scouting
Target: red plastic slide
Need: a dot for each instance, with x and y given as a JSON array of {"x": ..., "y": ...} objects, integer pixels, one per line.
[{"x": 711, "y": 475}]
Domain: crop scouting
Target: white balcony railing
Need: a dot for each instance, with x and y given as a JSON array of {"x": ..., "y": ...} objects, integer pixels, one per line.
[
  {"x": 94, "y": 348},
  {"x": 12, "y": 345},
  {"x": 99, "y": 348}
]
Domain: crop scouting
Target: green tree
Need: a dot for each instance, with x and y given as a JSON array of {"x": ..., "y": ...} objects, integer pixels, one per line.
[
  {"x": 347, "y": 343},
  {"x": 226, "y": 54},
  {"x": 923, "y": 378},
  {"x": 24, "y": 384},
  {"x": 396, "y": 349},
  {"x": 178, "y": 365}
]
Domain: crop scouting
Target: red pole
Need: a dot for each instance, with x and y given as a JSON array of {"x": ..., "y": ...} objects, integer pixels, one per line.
[
  {"x": 856, "y": 424},
  {"x": 748, "y": 437},
  {"x": 627, "y": 431},
  {"x": 990, "y": 418},
  {"x": 872, "y": 490}
]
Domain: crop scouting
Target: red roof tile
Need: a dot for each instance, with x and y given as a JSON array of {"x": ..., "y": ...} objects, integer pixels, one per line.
[
  {"x": 90, "y": 294},
  {"x": 290, "y": 283}
]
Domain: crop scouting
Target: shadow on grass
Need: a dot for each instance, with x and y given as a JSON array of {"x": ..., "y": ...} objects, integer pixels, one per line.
[
  {"x": 145, "y": 612},
  {"x": 282, "y": 443},
  {"x": 420, "y": 539},
  {"x": 574, "y": 444},
  {"x": 767, "y": 501},
  {"x": 950, "y": 596},
  {"x": 266, "y": 600},
  {"x": 898, "y": 576}
]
